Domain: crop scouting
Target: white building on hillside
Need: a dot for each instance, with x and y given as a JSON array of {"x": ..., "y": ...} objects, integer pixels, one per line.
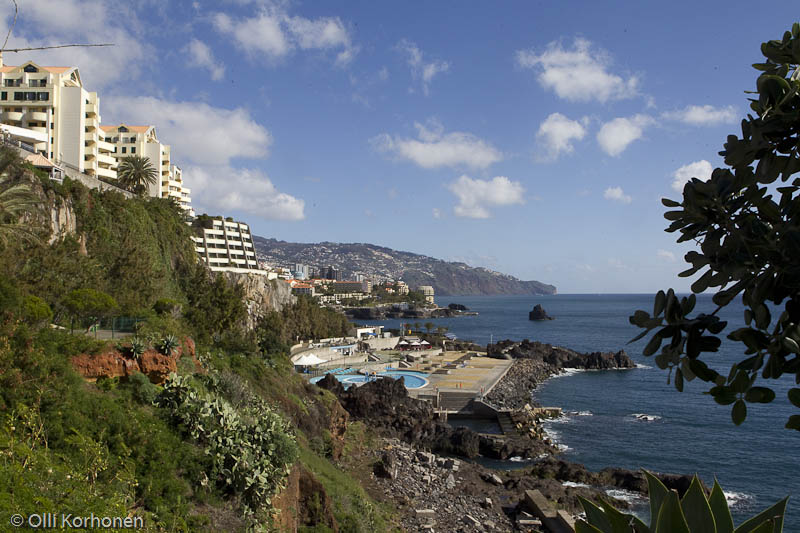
[
  {"x": 225, "y": 245},
  {"x": 142, "y": 141},
  {"x": 49, "y": 110}
]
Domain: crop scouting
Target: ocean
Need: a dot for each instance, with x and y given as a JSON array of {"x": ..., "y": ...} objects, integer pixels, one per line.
[{"x": 756, "y": 463}]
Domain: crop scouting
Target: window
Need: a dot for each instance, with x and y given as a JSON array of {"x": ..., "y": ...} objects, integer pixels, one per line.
[
  {"x": 123, "y": 129},
  {"x": 30, "y": 68},
  {"x": 43, "y": 97},
  {"x": 4, "y": 95},
  {"x": 123, "y": 149},
  {"x": 19, "y": 96},
  {"x": 133, "y": 149},
  {"x": 30, "y": 96},
  {"x": 13, "y": 82}
]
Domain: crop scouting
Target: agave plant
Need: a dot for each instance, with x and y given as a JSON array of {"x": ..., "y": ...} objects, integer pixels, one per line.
[
  {"x": 168, "y": 344},
  {"x": 694, "y": 513},
  {"x": 138, "y": 346}
]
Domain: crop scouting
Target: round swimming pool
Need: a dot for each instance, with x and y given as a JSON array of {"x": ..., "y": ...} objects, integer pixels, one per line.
[{"x": 412, "y": 380}]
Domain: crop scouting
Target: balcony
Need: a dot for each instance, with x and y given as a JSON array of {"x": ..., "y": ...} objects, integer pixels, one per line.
[
  {"x": 40, "y": 129},
  {"x": 91, "y": 122},
  {"x": 38, "y": 116},
  {"x": 107, "y": 159},
  {"x": 15, "y": 116},
  {"x": 105, "y": 146},
  {"x": 91, "y": 109},
  {"x": 106, "y": 172}
]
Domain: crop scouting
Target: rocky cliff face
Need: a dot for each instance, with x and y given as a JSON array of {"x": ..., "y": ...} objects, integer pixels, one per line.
[
  {"x": 261, "y": 295},
  {"x": 113, "y": 364}
]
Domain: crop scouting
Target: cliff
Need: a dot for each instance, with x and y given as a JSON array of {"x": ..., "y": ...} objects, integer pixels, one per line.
[
  {"x": 261, "y": 295},
  {"x": 377, "y": 262}
]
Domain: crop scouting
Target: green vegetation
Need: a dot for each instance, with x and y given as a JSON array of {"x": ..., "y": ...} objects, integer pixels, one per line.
[
  {"x": 251, "y": 448},
  {"x": 89, "y": 305},
  {"x": 748, "y": 246},
  {"x": 696, "y": 512},
  {"x": 304, "y": 320},
  {"x": 136, "y": 173},
  {"x": 207, "y": 451}
]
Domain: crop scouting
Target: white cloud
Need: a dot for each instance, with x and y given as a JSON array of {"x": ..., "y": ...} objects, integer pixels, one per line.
[
  {"x": 259, "y": 35},
  {"x": 476, "y": 196},
  {"x": 557, "y": 132},
  {"x": 705, "y": 115},
  {"x": 437, "y": 213},
  {"x": 419, "y": 68},
  {"x": 699, "y": 169},
  {"x": 579, "y": 74},
  {"x": 273, "y": 34},
  {"x": 434, "y": 148},
  {"x": 200, "y": 55},
  {"x": 247, "y": 190},
  {"x": 666, "y": 255},
  {"x": 198, "y": 133},
  {"x": 615, "y": 135},
  {"x": 617, "y": 194},
  {"x": 48, "y": 23}
]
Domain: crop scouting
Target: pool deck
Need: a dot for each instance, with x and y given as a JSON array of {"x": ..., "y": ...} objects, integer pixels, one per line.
[{"x": 456, "y": 378}]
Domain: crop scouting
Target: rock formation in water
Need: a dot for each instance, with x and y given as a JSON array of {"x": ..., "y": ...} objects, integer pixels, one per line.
[{"x": 539, "y": 313}]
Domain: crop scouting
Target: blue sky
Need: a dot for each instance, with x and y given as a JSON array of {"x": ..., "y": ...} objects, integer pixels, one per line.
[{"x": 533, "y": 138}]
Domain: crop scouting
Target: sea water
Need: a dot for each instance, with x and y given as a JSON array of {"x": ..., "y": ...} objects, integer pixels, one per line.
[{"x": 633, "y": 418}]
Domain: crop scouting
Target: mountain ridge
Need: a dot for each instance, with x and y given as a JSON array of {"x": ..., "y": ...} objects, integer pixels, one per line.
[{"x": 448, "y": 278}]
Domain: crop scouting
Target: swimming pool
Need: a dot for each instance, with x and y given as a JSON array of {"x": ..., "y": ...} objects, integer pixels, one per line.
[{"x": 412, "y": 380}]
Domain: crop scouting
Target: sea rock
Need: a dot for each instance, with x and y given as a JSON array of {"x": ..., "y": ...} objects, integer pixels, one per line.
[
  {"x": 457, "y": 307},
  {"x": 539, "y": 313}
]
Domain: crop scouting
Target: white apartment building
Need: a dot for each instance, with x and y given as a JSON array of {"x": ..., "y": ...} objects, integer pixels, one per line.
[
  {"x": 48, "y": 109},
  {"x": 130, "y": 140},
  {"x": 226, "y": 246}
]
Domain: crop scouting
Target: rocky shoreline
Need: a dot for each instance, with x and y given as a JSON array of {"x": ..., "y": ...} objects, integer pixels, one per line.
[{"x": 427, "y": 468}]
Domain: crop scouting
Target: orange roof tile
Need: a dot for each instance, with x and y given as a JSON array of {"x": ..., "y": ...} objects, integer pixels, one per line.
[{"x": 54, "y": 70}]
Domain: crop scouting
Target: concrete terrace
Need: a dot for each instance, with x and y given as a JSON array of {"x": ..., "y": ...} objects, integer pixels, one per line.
[{"x": 459, "y": 377}]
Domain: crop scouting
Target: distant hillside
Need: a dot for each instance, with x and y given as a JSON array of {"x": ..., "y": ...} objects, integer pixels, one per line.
[{"x": 447, "y": 278}]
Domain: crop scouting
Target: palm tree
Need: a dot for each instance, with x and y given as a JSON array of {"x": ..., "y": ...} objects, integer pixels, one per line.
[
  {"x": 16, "y": 199},
  {"x": 136, "y": 174}
]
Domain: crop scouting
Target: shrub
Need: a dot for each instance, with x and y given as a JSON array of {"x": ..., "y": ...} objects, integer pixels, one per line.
[
  {"x": 143, "y": 391},
  {"x": 36, "y": 311},
  {"x": 251, "y": 448}
]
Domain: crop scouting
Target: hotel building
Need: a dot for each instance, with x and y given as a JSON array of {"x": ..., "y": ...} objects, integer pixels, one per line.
[
  {"x": 49, "y": 110},
  {"x": 225, "y": 245},
  {"x": 142, "y": 141}
]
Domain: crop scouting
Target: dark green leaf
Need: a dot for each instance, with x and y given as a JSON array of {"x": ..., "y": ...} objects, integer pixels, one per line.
[
  {"x": 658, "y": 493},
  {"x": 670, "y": 516},
  {"x": 583, "y": 527},
  {"x": 739, "y": 412},
  {"x": 652, "y": 346},
  {"x": 719, "y": 506},
  {"x": 759, "y": 395},
  {"x": 793, "y": 423},
  {"x": 595, "y": 516},
  {"x": 660, "y": 302},
  {"x": 679, "y": 379},
  {"x": 775, "y": 512},
  {"x": 794, "y": 397},
  {"x": 696, "y": 509},
  {"x": 670, "y": 203}
]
